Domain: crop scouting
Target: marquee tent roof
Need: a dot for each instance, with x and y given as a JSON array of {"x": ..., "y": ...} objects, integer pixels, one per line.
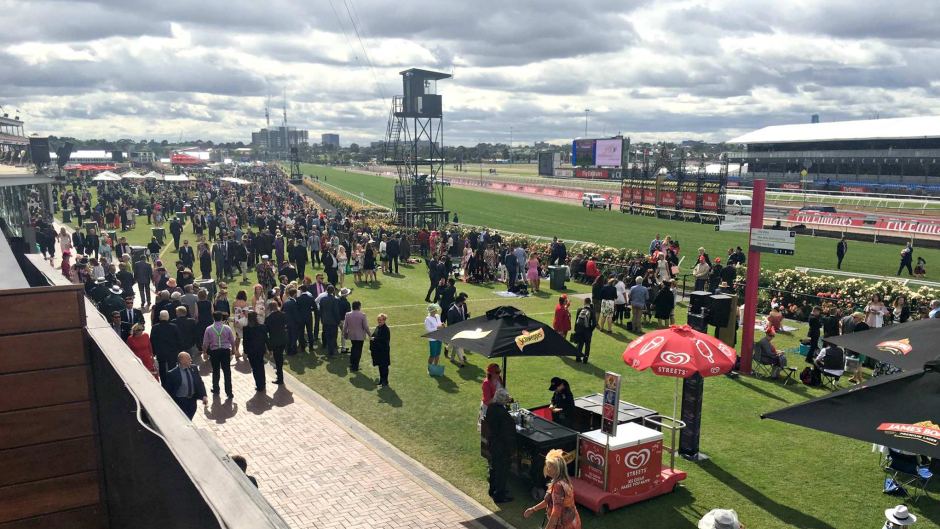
[{"x": 865, "y": 129}]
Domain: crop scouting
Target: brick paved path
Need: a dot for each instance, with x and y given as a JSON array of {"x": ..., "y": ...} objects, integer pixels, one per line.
[{"x": 319, "y": 468}]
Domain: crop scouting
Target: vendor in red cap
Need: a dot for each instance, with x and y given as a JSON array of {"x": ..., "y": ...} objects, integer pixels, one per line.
[
  {"x": 562, "y": 321},
  {"x": 492, "y": 382}
]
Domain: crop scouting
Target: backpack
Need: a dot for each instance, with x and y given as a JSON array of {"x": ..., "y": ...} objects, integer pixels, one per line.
[
  {"x": 810, "y": 377},
  {"x": 584, "y": 319}
]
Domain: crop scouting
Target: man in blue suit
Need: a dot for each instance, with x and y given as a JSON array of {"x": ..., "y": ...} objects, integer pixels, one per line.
[{"x": 184, "y": 384}]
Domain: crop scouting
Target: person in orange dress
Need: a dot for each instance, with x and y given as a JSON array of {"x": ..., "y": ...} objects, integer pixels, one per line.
[
  {"x": 559, "y": 498},
  {"x": 139, "y": 343},
  {"x": 562, "y": 321}
]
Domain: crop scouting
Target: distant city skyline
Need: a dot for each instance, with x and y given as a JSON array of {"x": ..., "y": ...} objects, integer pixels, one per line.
[{"x": 667, "y": 70}]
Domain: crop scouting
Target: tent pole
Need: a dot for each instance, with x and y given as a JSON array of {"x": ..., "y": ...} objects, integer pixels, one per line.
[
  {"x": 504, "y": 372},
  {"x": 675, "y": 404}
]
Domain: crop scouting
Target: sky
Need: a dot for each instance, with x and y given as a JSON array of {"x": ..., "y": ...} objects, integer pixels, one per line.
[{"x": 524, "y": 70}]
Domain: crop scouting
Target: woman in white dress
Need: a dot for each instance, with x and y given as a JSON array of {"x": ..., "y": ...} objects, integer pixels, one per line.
[{"x": 341, "y": 261}]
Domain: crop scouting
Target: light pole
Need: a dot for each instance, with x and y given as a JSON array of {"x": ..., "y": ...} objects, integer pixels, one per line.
[
  {"x": 586, "y": 110},
  {"x": 510, "y": 145}
]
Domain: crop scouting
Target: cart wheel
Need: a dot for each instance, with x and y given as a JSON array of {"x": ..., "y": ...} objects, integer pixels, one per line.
[
  {"x": 538, "y": 493},
  {"x": 675, "y": 486}
]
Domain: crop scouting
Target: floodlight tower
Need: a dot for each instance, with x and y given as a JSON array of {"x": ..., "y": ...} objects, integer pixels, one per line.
[{"x": 414, "y": 144}]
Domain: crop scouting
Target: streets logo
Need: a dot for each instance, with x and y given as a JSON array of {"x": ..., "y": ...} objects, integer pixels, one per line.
[
  {"x": 924, "y": 431},
  {"x": 896, "y": 347}
]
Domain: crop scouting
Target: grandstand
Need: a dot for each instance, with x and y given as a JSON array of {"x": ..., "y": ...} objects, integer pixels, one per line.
[{"x": 876, "y": 155}]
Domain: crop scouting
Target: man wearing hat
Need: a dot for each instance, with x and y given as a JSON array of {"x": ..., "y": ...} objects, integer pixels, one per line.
[
  {"x": 897, "y": 517},
  {"x": 114, "y": 302},
  {"x": 562, "y": 405},
  {"x": 720, "y": 519},
  {"x": 99, "y": 291}
]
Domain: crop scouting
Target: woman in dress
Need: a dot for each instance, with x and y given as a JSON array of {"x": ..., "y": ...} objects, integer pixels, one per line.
[
  {"x": 665, "y": 304},
  {"x": 205, "y": 261},
  {"x": 532, "y": 272},
  {"x": 368, "y": 264},
  {"x": 221, "y": 302},
  {"x": 559, "y": 502},
  {"x": 341, "y": 260},
  {"x": 104, "y": 247},
  {"x": 239, "y": 319},
  {"x": 139, "y": 344},
  {"x": 355, "y": 263},
  {"x": 608, "y": 295},
  {"x": 875, "y": 312},
  {"x": 465, "y": 262},
  {"x": 561, "y": 323},
  {"x": 65, "y": 240},
  {"x": 258, "y": 301},
  {"x": 901, "y": 309}
]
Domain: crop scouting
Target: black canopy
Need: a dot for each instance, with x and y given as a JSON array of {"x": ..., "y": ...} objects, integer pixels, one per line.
[
  {"x": 907, "y": 346},
  {"x": 901, "y": 411},
  {"x": 499, "y": 333}
]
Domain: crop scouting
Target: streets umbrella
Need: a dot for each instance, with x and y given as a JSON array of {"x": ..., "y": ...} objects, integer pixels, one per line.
[
  {"x": 907, "y": 346},
  {"x": 901, "y": 411},
  {"x": 504, "y": 332},
  {"x": 681, "y": 352}
]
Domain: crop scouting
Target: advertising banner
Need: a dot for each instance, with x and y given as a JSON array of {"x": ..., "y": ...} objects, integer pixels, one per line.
[
  {"x": 609, "y": 152},
  {"x": 688, "y": 200},
  {"x": 611, "y": 406},
  {"x": 564, "y": 173},
  {"x": 596, "y": 174},
  {"x": 853, "y": 189},
  {"x": 710, "y": 201},
  {"x": 667, "y": 199},
  {"x": 827, "y": 219},
  {"x": 649, "y": 196},
  {"x": 583, "y": 153},
  {"x": 792, "y": 186}
]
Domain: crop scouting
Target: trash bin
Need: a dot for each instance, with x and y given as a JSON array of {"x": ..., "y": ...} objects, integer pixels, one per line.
[
  {"x": 138, "y": 253},
  {"x": 159, "y": 233},
  {"x": 181, "y": 216},
  {"x": 557, "y": 276},
  {"x": 114, "y": 237},
  {"x": 90, "y": 225},
  {"x": 66, "y": 216},
  {"x": 208, "y": 284}
]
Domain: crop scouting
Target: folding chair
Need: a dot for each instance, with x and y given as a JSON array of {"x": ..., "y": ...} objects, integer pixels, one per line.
[
  {"x": 907, "y": 472},
  {"x": 833, "y": 367}
]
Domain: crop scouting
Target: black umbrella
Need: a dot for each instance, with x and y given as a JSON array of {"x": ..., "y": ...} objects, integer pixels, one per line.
[
  {"x": 901, "y": 411},
  {"x": 504, "y": 332},
  {"x": 907, "y": 346}
]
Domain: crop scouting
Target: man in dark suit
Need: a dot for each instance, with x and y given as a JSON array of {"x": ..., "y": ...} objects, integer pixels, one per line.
[
  {"x": 176, "y": 229},
  {"x": 306, "y": 303},
  {"x": 329, "y": 266},
  {"x": 143, "y": 275},
  {"x": 187, "y": 255},
  {"x": 455, "y": 314},
  {"x": 122, "y": 248},
  {"x": 219, "y": 256},
  {"x": 276, "y": 325},
  {"x": 188, "y": 329},
  {"x": 294, "y": 320},
  {"x": 166, "y": 343},
  {"x": 330, "y": 317},
  {"x": 184, "y": 384},
  {"x": 433, "y": 277},
  {"x": 393, "y": 250},
  {"x": 130, "y": 315},
  {"x": 317, "y": 289}
]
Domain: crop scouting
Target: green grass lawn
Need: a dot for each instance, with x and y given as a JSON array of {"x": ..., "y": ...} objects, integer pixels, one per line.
[
  {"x": 775, "y": 475},
  {"x": 572, "y": 222}
]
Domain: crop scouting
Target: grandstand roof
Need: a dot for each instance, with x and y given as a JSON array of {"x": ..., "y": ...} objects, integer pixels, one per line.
[{"x": 865, "y": 129}]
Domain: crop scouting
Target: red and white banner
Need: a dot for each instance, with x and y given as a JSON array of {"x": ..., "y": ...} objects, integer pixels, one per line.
[
  {"x": 827, "y": 219},
  {"x": 596, "y": 174},
  {"x": 791, "y": 186},
  {"x": 734, "y": 184},
  {"x": 688, "y": 200},
  {"x": 854, "y": 189},
  {"x": 710, "y": 201},
  {"x": 667, "y": 199},
  {"x": 915, "y": 226}
]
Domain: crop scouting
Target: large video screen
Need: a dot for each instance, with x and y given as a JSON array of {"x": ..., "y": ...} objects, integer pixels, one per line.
[
  {"x": 583, "y": 153},
  {"x": 609, "y": 152}
]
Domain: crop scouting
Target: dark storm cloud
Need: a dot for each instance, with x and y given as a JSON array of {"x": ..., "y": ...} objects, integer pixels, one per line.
[
  {"x": 74, "y": 21},
  {"x": 127, "y": 73}
]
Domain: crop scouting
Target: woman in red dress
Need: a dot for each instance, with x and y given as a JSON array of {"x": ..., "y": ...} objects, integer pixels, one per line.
[
  {"x": 562, "y": 321},
  {"x": 139, "y": 343},
  {"x": 559, "y": 498}
]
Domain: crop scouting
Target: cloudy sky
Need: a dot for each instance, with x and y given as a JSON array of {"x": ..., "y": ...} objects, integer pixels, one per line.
[{"x": 649, "y": 69}]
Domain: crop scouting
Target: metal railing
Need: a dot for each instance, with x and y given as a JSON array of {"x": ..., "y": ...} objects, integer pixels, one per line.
[{"x": 866, "y": 153}]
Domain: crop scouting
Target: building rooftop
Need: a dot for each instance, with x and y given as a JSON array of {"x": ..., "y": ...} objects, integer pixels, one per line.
[{"x": 866, "y": 129}]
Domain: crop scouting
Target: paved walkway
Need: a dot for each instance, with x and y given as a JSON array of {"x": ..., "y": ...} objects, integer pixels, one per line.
[{"x": 320, "y": 468}]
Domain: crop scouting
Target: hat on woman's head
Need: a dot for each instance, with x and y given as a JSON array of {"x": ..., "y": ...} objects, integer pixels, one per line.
[
  {"x": 492, "y": 369},
  {"x": 720, "y": 519},
  {"x": 899, "y": 515},
  {"x": 434, "y": 308}
]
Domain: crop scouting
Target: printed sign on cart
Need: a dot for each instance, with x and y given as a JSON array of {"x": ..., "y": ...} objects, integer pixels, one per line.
[
  {"x": 611, "y": 407},
  {"x": 632, "y": 470}
]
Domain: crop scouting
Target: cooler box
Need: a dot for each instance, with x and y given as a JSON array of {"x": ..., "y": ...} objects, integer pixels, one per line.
[
  {"x": 159, "y": 233},
  {"x": 138, "y": 253},
  {"x": 634, "y": 459},
  {"x": 90, "y": 225}
]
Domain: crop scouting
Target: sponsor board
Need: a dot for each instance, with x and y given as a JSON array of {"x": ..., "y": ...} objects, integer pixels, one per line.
[
  {"x": 854, "y": 189},
  {"x": 791, "y": 186},
  {"x": 599, "y": 174},
  {"x": 564, "y": 173},
  {"x": 924, "y": 431}
]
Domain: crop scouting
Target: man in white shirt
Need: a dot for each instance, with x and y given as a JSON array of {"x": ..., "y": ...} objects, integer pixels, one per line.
[{"x": 620, "y": 304}]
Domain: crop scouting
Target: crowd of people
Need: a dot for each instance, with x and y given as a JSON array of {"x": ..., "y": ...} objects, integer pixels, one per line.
[{"x": 281, "y": 235}]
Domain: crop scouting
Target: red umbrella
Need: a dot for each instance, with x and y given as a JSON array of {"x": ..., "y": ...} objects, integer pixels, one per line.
[{"x": 679, "y": 352}]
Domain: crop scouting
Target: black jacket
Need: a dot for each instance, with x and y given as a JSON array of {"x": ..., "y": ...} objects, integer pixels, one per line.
[
  {"x": 329, "y": 311},
  {"x": 276, "y": 325},
  {"x": 380, "y": 345},
  {"x": 392, "y": 248},
  {"x": 500, "y": 429},
  {"x": 254, "y": 339},
  {"x": 174, "y": 378},
  {"x": 165, "y": 340},
  {"x": 454, "y": 314},
  {"x": 187, "y": 329}
]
